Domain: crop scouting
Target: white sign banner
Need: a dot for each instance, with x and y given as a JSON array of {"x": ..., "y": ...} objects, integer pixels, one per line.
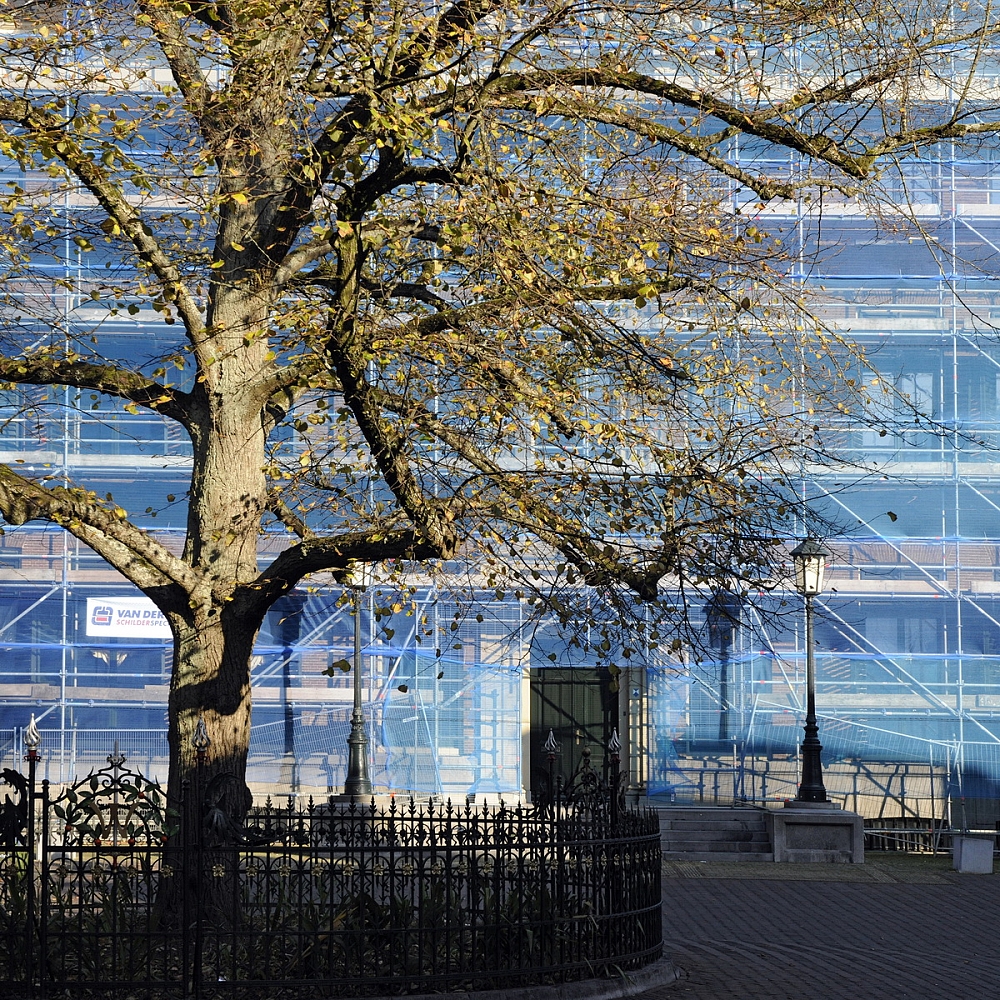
[{"x": 126, "y": 616}]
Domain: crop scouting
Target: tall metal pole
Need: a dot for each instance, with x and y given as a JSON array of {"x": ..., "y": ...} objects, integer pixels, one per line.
[
  {"x": 722, "y": 616},
  {"x": 358, "y": 783},
  {"x": 811, "y": 788},
  {"x": 725, "y": 641}
]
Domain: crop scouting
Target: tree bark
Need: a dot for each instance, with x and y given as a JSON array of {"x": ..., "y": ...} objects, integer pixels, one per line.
[
  {"x": 211, "y": 683},
  {"x": 214, "y": 632}
]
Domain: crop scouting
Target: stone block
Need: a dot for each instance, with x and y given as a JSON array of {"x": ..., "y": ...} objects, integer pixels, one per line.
[
  {"x": 820, "y": 832},
  {"x": 972, "y": 854}
]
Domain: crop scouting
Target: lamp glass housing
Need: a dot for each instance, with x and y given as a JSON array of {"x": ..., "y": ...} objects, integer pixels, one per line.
[{"x": 810, "y": 565}]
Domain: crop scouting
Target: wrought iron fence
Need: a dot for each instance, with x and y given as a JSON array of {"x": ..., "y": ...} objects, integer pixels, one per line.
[{"x": 104, "y": 891}]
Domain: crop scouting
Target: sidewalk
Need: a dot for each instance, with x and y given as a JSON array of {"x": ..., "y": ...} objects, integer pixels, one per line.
[{"x": 897, "y": 928}]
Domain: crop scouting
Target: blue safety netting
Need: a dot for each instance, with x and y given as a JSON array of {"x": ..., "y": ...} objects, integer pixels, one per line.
[{"x": 899, "y": 709}]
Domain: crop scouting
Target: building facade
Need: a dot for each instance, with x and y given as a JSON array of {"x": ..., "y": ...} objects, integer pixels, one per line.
[{"x": 460, "y": 695}]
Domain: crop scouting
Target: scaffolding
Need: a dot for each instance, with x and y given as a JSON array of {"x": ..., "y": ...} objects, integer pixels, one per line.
[{"x": 909, "y": 632}]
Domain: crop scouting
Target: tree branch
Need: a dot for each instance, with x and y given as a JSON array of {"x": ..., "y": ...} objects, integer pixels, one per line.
[
  {"x": 819, "y": 145},
  {"x": 106, "y": 379},
  {"x": 49, "y": 132},
  {"x": 300, "y": 258},
  {"x": 283, "y": 385},
  {"x": 443, "y": 35},
  {"x": 388, "y": 447},
  {"x": 336, "y": 554},
  {"x": 594, "y": 560},
  {"x": 489, "y": 310},
  {"x": 134, "y": 553},
  {"x": 404, "y": 290},
  {"x": 920, "y": 137},
  {"x": 289, "y": 518},
  {"x": 700, "y": 148},
  {"x": 187, "y": 73}
]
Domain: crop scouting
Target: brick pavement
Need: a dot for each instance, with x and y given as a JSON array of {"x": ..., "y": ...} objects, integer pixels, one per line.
[{"x": 889, "y": 930}]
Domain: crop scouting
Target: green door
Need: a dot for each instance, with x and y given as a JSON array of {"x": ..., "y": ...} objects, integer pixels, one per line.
[{"x": 580, "y": 707}]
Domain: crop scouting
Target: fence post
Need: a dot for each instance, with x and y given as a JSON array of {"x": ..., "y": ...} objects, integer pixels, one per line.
[
  {"x": 551, "y": 748},
  {"x": 180, "y": 872},
  {"x": 32, "y": 738},
  {"x": 614, "y": 752},
  {"x": 201, "y": 742}
]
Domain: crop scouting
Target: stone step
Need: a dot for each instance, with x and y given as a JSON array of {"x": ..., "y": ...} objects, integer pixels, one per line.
[
  {"x": 720, "y": 846},
  {"x": 694, "y": 833},
  {"x": 742, "y": 856},
  {"x": 712, "y": 813},
  {"x": 751, "y": 823},
  {"x": 714, "y": 834},
  {"x": 709, "y": 837}
]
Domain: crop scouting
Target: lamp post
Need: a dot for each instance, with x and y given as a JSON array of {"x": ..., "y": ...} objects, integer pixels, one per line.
[
  {"x": 722, "y": 616},
  {"x": 358, "y": 783},
  {"x": 810, "y": 562}
]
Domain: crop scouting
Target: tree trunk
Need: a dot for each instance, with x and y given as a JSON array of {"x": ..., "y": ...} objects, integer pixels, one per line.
[
  {"x": 211, "y": 683},
  {"x": 214, "y": 631}
]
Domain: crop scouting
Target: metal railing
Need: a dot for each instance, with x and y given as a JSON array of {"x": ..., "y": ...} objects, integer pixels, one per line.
[
  {"x": 107, "y": 887},
  {"x": 907, "y": 834},
  {"x": 918, "y": 836}
]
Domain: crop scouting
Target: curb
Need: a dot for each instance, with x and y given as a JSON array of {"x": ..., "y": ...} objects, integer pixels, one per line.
[{"x": 627, "y": 984}]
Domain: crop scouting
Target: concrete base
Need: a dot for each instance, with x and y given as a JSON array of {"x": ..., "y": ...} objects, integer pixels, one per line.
[
  {"x": 811, "y": 832},
  {"x": 365, "y": 801},
  {"x": 972, "y": 854}
]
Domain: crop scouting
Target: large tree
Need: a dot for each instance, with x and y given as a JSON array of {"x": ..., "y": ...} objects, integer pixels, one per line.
[{"x": 498, "y": 269}]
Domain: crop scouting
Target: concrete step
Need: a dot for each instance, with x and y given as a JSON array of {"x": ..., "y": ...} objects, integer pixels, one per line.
[
  {"x": 709, "y": 837},
  {"x": 710, "y": 813},
  {"x": 714, "y": 834},
  {"x": 722, "y": 846},
  {"x": 742, "y": 856},
  {"x": 750, "y": 823}
]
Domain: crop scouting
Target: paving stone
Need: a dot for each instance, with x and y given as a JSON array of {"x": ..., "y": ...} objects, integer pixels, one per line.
[{"x": 886, "y": 930}]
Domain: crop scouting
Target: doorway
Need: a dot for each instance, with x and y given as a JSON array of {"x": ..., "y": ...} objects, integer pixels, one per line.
[{"x": 580, "y": 707}]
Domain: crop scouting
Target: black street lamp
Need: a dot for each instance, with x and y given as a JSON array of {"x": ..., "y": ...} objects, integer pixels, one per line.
[
  {"x": 722, "y": 614},
  {"x": 358, "y": 784},
  {"x": 810, "y": 562}
]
